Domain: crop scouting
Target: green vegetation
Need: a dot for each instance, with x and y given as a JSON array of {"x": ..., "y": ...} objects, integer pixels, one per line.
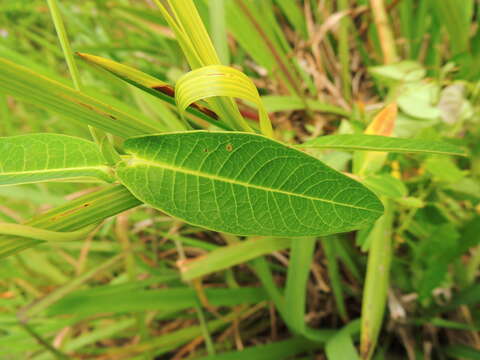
[{"x": 239, "y": 179}]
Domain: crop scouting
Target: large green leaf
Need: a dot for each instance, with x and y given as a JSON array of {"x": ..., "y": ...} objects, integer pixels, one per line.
[
  {"x": 43, "y": 157},
  {"x": 382, "y": 143},
  {"x": 244, "y": 184}
]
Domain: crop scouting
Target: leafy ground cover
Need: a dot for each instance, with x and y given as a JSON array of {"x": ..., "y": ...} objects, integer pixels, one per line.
[{"x": 235, "y": 179}]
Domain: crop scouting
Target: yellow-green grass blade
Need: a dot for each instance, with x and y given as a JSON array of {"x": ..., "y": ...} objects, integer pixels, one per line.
[
  {"x": 197, "y": 47},
  {"x": 244, "y": 184},
  {"x": 77, "y": 214},
  {"x": 71, "y": 104},
  {"x": 150, "y": 84},
  {"x": 192, "y": 25},
  {"x": 31, "y": 232},
  {"x": 219, "y": 80},
  {"x": 47, "y": 157},
  {"x": 366, "y": 142},
  {"x": 301, "y": 256},
  {"x": 228, "y": 256}
]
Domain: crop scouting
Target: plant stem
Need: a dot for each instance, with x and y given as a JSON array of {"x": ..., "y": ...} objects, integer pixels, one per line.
[{"x": 63, "y": 38}]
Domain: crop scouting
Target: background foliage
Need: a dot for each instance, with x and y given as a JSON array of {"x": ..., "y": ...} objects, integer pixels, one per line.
[{"x": 146, "y": 286}]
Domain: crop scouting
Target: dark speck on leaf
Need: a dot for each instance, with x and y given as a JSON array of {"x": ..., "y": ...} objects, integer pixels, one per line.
[{"x": 229, "y": 147}]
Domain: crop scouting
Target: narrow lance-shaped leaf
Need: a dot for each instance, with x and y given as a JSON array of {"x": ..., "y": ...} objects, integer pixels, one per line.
[
  {"x": 383, "y": 143},
  {"x": 45, "y": 157},
  {"x": 150, "y": 84},
  {"x": 244, "y": 184}
]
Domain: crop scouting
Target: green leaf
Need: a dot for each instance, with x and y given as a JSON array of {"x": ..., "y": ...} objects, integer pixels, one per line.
[
  {"x": 244, "y": 184},
  {"x": 44, "y": 157},
  {"x": 382, "y": 143},
  {"x": 405, "y": 71}
]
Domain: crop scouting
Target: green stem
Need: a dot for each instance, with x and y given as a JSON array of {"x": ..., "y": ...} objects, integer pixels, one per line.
[{"x": 63, "y": 38}]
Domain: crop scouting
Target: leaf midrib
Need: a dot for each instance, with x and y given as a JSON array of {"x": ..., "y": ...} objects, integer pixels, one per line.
[{"x": 134, "y": 161}]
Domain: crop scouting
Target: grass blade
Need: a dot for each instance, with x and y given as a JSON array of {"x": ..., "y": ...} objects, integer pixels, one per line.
[
  {"x": 329, "y": 247},
  {"x": 366, "y": 142},
  {"x": 150, "y": 84},
  {"x": 340, "y": 346},
  {"x": 301, "y": 255},
  {"x": 77, "y": 214},
  {"x": 219, "y": 80},
  {"x": 71, "y": 104},
  {"x": 228, "y": 256},
  {"x": 377, "y": 282}
]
